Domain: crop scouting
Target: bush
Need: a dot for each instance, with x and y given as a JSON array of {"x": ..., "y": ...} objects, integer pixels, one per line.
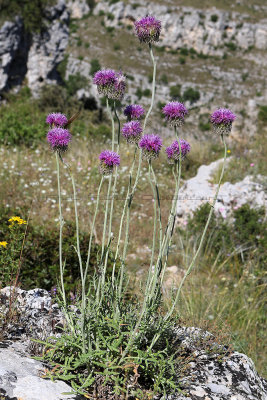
[
  {"x": 262, "y": 114},
  {"x": 175, "y": 91},
  {"x": 204, "y": 124},
  {"x": 214, "y": 18},
  {"x": 231, "y": 46},
  {"x": 191, "y": 95},
  {"x": 164, "y": 79},
  {"x": 74, "y": 83},
  {"x": 95, "y": 66}
]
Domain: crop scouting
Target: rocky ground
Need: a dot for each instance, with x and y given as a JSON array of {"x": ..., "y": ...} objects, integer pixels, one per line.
[{"x": 215, "y": 373}]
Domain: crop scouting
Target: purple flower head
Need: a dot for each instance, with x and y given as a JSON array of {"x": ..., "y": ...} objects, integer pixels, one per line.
[
  {"x": 132, "y": 131},
  {"x": 110, "y": 83},
  {"x": 175, "y": 113},
  {"x": 222, "y": 120},
  {"x": 108, "y": 160},
  {"x": 151, "y": 146},
  {"x": 56, "y": 119},
  {"x": 59, "y": 139},
  {"x": 148, "y": 29},
  {"x": 173, "y": 150},
  {"x": 134, "y": 111}
]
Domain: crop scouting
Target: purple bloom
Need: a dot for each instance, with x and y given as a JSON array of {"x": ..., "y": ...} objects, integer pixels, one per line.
[
  {"x": 108, "y": 160},
  {"x": 222, "y": 120},
  {"x": 134, "y": 111},
  {"x": 132, "y": 131},
  {"x": 173, "y": 150},
  {"x": 150, "y": 145},
  {"x": 59, "y": 139},
  {"x": 56, "y": 119},
  {"x": 148, "y": 29},
  {"x": 110, "y": 83},
  {"x": 175, "y": 113}
]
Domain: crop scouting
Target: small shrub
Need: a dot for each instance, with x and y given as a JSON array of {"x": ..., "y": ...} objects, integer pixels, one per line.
[
  {"x": 147, "y": 92},
  {"x": 175, "y": 91},
  {"x": 214, "y": 18},
  {"x": 182, "y": 60},
  {"x": 116, "y": 46},
  {"x": 231, "y": 46},
  {"x": 191, "y": 95},
  {"x": 110, "y": 16},
  {"x": 262, "y": 114},
  {"x": 164, "y": 79},
  {"x": 184, "y": 51},
  {"x": 95, "y": 66},
  {"x": 204, "y": 124}
]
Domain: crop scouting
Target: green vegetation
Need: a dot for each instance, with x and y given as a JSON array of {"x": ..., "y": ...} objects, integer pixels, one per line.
[
  {"x": 40, "y": 253},
  {"x": 214, "y": 18},
  {"x": 262, "y": 115},
  {"x": 204, "y": 124},
  {"x": 231, "y": 46},
  {"x": 175, "y": 91},
  {"x": 191, "y": 95},
  {"x": 31, "y": 11},
  {"x": 95, "y": 66}
]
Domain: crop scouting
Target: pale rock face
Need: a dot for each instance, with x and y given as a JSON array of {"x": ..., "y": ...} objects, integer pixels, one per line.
[
  {"x": 198, "y": 190},
  {"x": 186, "y": 26},
  {"x": 78, "y": 8},
  {"x": 47, "y": 50},
  {"x": 10, "y": 38},
  {"x": 34, "y": 59}
]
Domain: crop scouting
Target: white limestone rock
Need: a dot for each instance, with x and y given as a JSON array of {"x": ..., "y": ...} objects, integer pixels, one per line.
[{"x": 198, "y": 190}]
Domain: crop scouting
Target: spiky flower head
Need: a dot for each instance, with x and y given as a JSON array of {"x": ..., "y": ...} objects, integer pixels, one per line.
[
  {"x": 148, "y": 29},
  {"x": 173, "y": 151},
  {"x": 175, "y": 113},
  {"x": 134, "y": 111},
  {"x": 59, "y": 139},
  {"x": 108, "y": 161},
  {"x": 151, "y": 146},
  {"x": 110, "y": 83},
  {"x": 56, "y": 119},
  {"x": 222, "y": 120},
  {"x": 132, "y": 131}
]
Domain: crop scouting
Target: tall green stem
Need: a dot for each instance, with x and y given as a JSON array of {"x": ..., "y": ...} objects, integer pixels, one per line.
[
  {"x": 61, "y": 223},
  {"x": 133, "y": 191},
  {"x": 192, "y": 264},
  {"x": 123, "y": 213},
  {"x": 92, "y": 228}
]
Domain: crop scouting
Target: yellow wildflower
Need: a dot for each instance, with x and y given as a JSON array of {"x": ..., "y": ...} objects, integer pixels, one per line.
[
  {"x": 4, "y": 244},
  {"x": 17, "y": 220},
  {"x": 228, "y": 151}
]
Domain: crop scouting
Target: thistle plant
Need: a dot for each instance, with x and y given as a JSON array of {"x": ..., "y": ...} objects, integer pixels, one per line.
[{"x": 110, "y": 345}]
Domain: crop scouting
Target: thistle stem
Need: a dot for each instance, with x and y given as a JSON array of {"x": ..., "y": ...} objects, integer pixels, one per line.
[
  {"x": 192, "y": 264},
  {"x": 61, "y": 223}
]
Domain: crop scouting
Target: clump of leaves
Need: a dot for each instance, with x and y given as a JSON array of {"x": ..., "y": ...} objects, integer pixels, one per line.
[{"x": 107, "y": 369}]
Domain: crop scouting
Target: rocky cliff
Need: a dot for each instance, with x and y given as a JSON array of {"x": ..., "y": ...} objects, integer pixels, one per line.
[{"x": 32, "y": 58}]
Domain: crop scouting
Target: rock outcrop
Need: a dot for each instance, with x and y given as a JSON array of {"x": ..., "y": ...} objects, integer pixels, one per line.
[
  {"x": 199, "y": 190},
  {"x": 214, "y": 372},
  {"x": 34, "y": 56},
  {"x": 206, "y": 32}
]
